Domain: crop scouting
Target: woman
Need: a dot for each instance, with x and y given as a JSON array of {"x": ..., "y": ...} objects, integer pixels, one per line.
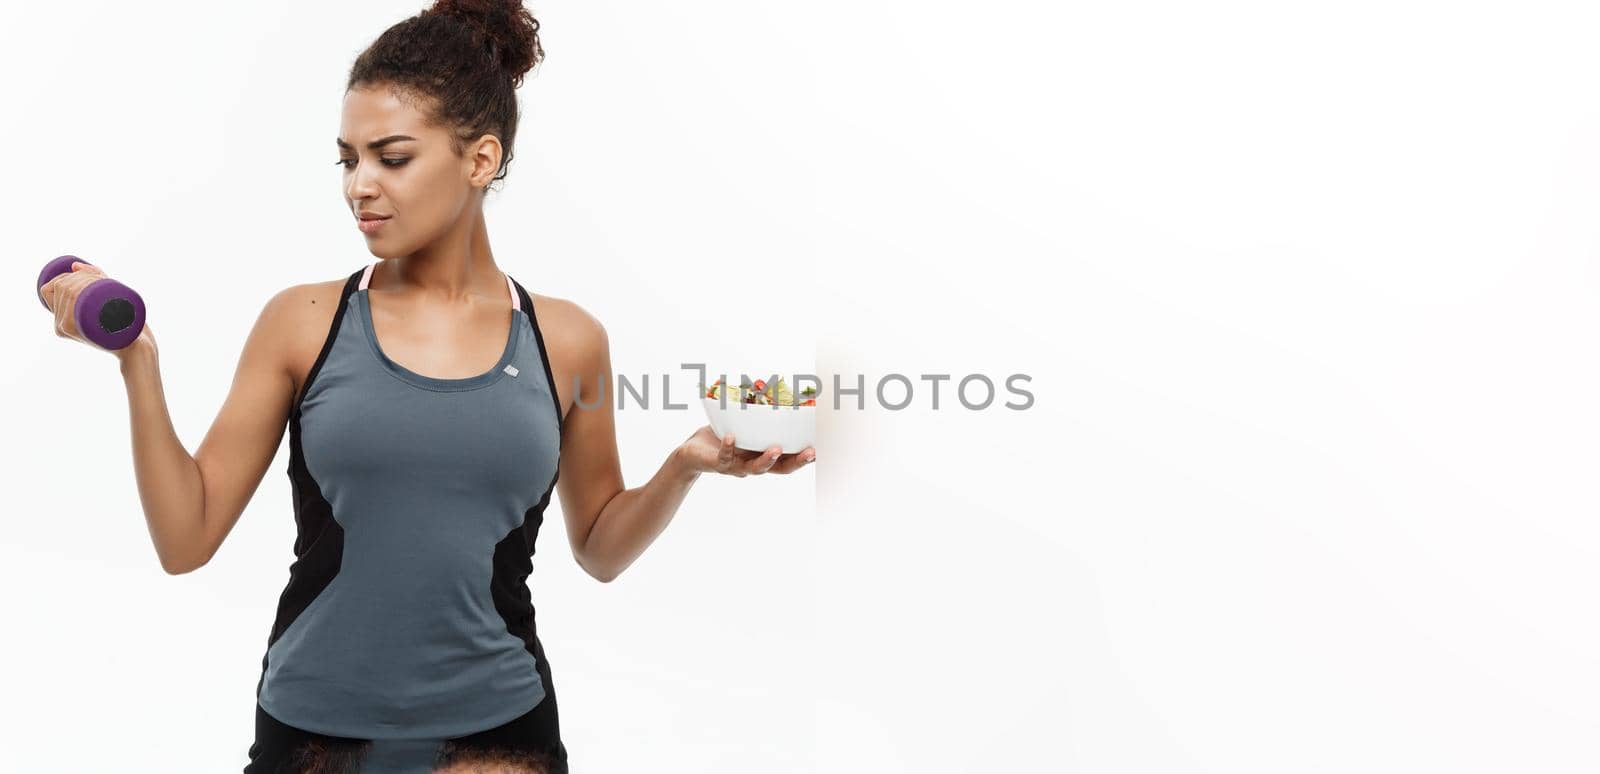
[{"x": 432, "y": 403}]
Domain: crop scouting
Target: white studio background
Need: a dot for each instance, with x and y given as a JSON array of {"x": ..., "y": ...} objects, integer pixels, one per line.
[
  {"x": 189, "y": 150},
  {"x": 1305, "y": 292}
]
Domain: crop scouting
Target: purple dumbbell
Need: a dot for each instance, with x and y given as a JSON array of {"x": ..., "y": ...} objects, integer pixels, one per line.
[{"x": 108, "y": 312}]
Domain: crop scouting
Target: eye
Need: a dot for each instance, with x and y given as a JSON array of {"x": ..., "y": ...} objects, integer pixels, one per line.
[{"x": 386, "y": 162}]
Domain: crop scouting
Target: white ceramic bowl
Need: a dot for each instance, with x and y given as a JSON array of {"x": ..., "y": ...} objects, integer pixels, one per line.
[{"x": 756, "y": 427}]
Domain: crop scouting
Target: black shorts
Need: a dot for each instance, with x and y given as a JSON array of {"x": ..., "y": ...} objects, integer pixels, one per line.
[{"x": 534, "y": 739}]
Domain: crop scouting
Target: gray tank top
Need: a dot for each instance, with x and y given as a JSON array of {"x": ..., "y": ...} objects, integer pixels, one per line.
[{"x": 417, "y": 502}]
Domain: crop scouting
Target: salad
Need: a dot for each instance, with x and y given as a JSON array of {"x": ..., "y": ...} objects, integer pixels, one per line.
[{"x": 761, "y": 393}]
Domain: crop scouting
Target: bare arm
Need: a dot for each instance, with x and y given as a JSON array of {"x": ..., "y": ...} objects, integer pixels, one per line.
[
  {"x": 610, "y": 526},
  {"x": 192, "y": 502},
  {"x": 591, "y": 473}
]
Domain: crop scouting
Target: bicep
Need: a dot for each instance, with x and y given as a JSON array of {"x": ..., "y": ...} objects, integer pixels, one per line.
[
  {"x": 591, "y": 473},
  {"x": 245, "y": 435}
]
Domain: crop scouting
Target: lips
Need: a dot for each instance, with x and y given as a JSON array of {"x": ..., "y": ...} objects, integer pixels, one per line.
[{"x": 370, "y": 225}]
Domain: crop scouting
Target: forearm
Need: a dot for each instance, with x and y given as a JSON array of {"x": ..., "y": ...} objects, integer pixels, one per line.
[
  {"x": 633, "y": 519},
  {"x": 170, "y": 488}
]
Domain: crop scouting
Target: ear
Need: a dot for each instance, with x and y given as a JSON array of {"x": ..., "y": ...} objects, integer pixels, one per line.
[{"x": 483, "y": 156}]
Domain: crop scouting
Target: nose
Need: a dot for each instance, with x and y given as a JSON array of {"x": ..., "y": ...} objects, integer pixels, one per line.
[{"x": 359, "y": 184}]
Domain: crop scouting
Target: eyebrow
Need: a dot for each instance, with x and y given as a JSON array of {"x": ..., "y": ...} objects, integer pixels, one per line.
[{"x": 376, "y": 144}]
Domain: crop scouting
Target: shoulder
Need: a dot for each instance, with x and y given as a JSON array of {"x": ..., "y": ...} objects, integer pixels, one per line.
[
  {"x": 574, "y": 339},
  {"x": 297, "y": 308},
  {"x": 299, "y": 318},
  {"x": 318, "y": 297},
  {"x": 566, "y": 324}
]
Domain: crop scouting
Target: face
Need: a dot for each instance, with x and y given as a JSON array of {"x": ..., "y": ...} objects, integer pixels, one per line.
[{"x": 427, "y": 191}]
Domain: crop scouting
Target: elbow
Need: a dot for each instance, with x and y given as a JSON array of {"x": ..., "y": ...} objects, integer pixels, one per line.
[
  {"x": 187, "y": 551},
  {"x": 603, "y": 577},
  {"x": 178, "y": 569},
  {"x": 592, "y": 566},
  {"x": 180, "y": 566},
  {"x": 594, "y": 571}
]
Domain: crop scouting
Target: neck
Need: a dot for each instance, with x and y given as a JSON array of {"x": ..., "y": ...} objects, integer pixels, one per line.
[{"x": 455, "y": 267}]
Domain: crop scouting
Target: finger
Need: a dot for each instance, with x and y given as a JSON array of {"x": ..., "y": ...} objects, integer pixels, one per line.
[
  {"x": 68, "y": 296},
  {"x": 48, "y": 291},
  {"x": 740, "y": 464},
  {"x": 756, "y": 463},
  {"x": 760, "y": 463},
  {"x": 54, "y": 283},
  {"x": 62, "y": 285},
  {"x": 725, "y": 454},
  {"x": 55, "y": 303},
  {"x": 56, "y": 290},
  {"x": 63, "y": 319},
  {"x": 790, "y": 463},
  {"x": 66, "y": 302}
]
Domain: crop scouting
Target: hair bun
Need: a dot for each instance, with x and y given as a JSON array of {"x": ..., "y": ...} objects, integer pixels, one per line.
[{"x": 510, "y": 32}]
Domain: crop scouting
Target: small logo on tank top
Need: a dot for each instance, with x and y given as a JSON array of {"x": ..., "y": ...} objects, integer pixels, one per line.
[{"x": 511, "y": 369}]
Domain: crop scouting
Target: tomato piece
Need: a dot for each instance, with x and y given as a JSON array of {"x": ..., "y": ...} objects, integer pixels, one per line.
[{"x": 760, "y": 385}]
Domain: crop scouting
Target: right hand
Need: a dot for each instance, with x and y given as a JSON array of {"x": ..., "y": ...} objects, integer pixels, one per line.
[{"x": 61, "y": 295}]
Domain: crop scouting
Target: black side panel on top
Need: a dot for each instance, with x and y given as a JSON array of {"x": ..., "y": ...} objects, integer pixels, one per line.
[{"x": 319, "y": 540}]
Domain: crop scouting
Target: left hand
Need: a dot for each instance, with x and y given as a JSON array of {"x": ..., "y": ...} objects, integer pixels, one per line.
[{"x": 706, "y": 453}]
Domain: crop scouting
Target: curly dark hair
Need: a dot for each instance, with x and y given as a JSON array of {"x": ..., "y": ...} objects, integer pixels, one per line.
[
  {"x": 499, "y": 759},
  {"x": 319, "y": 756},
  {"x": 460, "y": 62},
  {"x": 346, "y": 757}
]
